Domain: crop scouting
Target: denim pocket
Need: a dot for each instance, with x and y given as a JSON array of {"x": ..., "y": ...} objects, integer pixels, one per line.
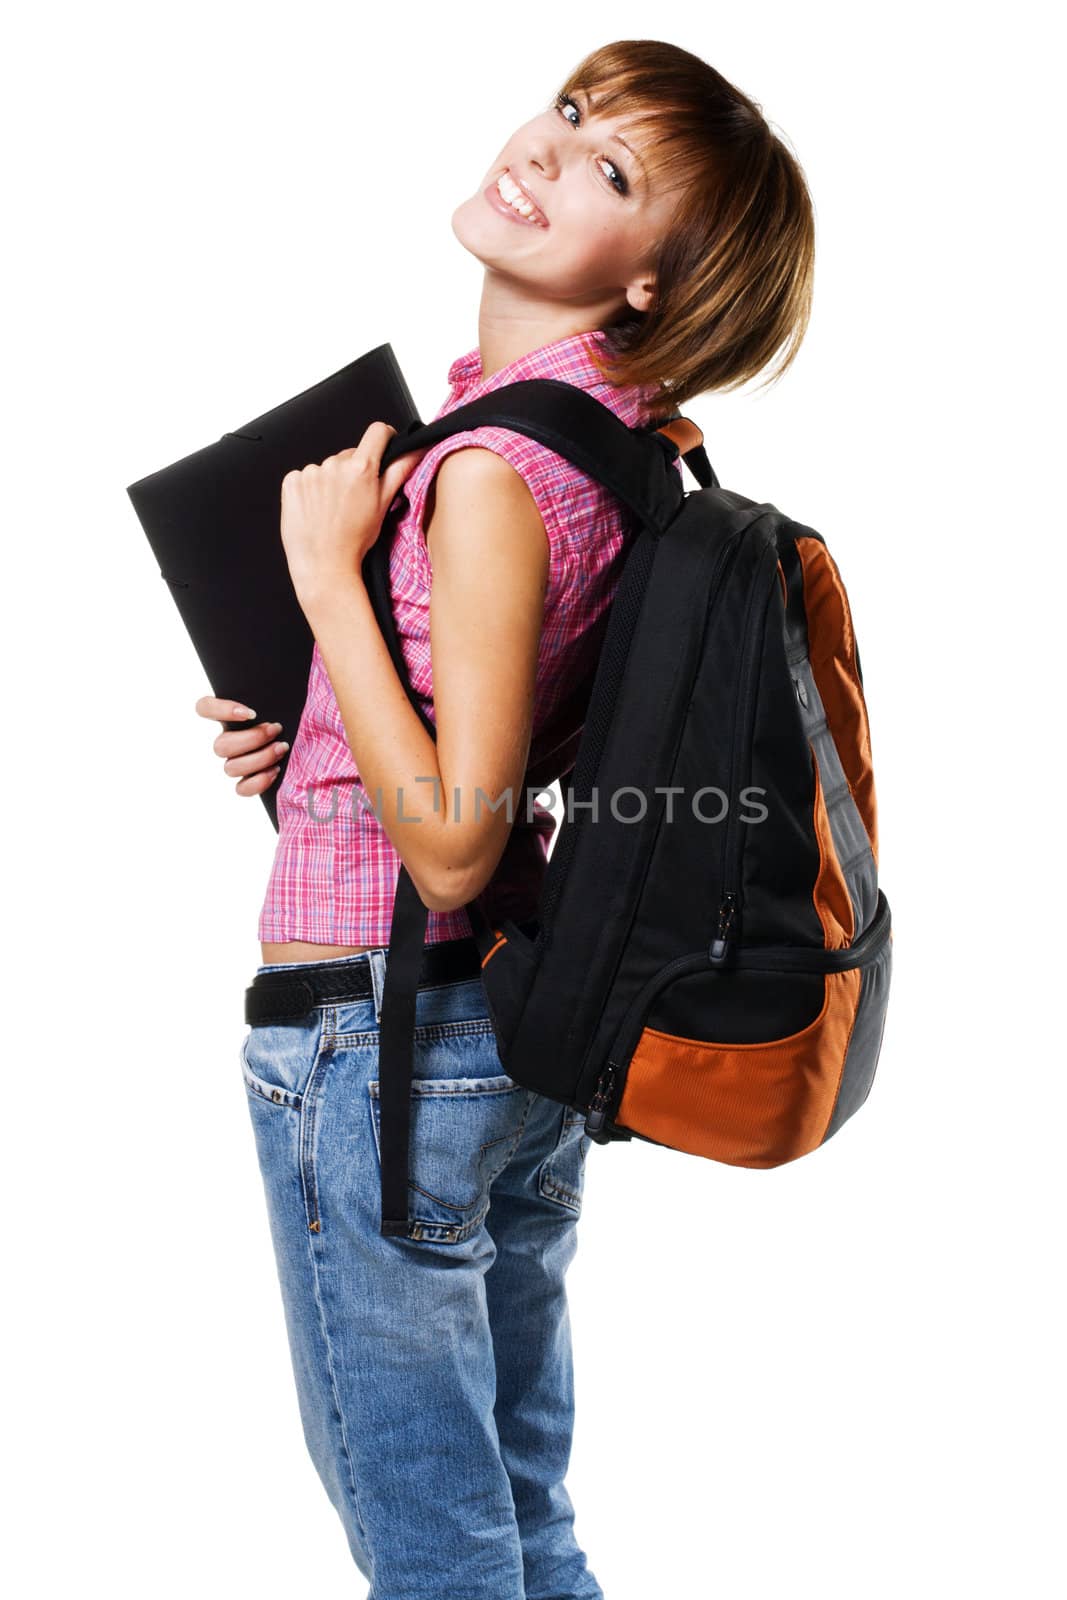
[
  {"x": 464, "y": 1127},
  {"x": 277, "y": 1060},
  {"x": 283, "y": 1066},
  {"x": 562, "y": 1176}
]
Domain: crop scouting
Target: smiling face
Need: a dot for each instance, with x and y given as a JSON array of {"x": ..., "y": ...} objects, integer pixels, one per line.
[{"x": 593, "y": 222}]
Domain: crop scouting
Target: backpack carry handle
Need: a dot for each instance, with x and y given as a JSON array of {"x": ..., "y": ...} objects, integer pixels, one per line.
[{"x": 684, "y": 432}]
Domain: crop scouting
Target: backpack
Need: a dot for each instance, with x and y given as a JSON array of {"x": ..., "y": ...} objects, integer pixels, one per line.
[{"x": 709, "y": 968}]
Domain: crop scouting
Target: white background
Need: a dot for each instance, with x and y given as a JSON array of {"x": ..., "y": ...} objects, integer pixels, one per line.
[{"x": 839, "y": 1378}]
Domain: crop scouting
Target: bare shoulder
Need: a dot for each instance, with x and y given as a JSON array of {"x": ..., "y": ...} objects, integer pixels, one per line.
[{"x": 484, "y": 508}]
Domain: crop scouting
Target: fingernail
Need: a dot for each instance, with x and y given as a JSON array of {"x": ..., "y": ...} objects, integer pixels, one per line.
[
  {"x": 242, "y": 711},
  {"x": 281, "y": 746}
]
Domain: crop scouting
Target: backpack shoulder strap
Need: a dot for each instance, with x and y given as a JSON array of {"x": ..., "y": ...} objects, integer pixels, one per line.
[{"x": 635, "y": 464}]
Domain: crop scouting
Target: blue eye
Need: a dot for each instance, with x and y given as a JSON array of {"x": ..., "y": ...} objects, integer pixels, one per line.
[{"x": 563, "y": 104}]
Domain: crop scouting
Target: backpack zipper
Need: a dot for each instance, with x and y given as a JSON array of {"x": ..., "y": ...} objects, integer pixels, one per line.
[
  {"x": 594, "y": 1117},
  {"x": 728, "y": 930},
  {"x": 724, "y": 933},
  {"x": 765, "y": 958}
]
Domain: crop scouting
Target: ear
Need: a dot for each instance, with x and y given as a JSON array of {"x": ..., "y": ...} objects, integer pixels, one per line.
[{"x": 639, "y": 293}]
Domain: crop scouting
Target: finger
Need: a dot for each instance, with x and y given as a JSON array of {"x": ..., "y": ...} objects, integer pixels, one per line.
[
  {"x": 213, "y": 707},
  {"x": 378, "y": 432},
  {"x": 375, "y": 440},
  {"x": 397, "y": 473},
  {"x": 256, "y": 783},
  {"x": 241, "y": 741},
  {"x": 372, "y": 443},
  {"x": 258, "y": 761},
  {"x": 410, "y": 458}
]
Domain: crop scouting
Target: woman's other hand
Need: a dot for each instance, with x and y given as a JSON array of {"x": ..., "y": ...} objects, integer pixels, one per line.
[{"x": 251, "y": 755}]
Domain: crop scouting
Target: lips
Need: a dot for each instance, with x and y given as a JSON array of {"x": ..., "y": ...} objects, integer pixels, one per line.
[
  {"x": 528, "y": 192},
  {"x": 492, "y": 194}
]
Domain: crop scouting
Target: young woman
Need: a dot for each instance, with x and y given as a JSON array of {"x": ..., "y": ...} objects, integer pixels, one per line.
[{"x": 646, "y": 237}]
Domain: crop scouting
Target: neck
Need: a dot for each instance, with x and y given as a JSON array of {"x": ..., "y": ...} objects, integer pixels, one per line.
[{"x": 512, "y": 323}]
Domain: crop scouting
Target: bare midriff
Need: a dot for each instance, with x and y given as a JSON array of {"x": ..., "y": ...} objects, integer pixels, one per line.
[{"x": 295, "y": 950}]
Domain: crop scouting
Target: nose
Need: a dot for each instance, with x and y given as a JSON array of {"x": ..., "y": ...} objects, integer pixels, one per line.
[{"x": 542, "y": 156}]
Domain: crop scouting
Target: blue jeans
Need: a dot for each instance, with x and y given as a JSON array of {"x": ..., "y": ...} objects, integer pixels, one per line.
[{"x": 434, "y": 1373}]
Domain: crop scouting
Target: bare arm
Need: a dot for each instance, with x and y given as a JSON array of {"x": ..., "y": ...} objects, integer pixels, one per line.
[{"x": 489, "y": 555}]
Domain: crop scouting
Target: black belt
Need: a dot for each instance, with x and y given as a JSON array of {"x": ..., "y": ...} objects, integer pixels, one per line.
[{"x": 288, "y": 996}]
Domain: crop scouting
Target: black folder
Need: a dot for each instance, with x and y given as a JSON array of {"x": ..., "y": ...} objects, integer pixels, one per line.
[{"x": 213, "y": 518}]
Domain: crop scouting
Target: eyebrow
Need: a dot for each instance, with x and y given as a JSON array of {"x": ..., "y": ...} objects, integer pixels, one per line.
[{"x": 591, "y": 106}]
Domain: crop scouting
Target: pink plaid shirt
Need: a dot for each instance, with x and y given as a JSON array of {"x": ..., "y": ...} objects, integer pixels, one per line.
[{"x": 335, "y": 869}]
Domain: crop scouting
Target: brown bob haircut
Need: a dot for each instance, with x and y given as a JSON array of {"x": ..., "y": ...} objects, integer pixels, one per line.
[{"x": 734, "y": 277}]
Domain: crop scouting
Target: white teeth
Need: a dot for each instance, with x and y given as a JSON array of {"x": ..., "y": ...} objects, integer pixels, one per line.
[{"x": 510, "y": 191}]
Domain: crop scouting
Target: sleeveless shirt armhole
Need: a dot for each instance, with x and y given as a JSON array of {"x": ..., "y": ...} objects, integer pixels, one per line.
[{"x": 534, "y": 463}]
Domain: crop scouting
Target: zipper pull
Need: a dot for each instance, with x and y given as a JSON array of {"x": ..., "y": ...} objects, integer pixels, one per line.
[
  {"x": 727, "y": 929},
  {"x": 594, "y": 1117}
]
